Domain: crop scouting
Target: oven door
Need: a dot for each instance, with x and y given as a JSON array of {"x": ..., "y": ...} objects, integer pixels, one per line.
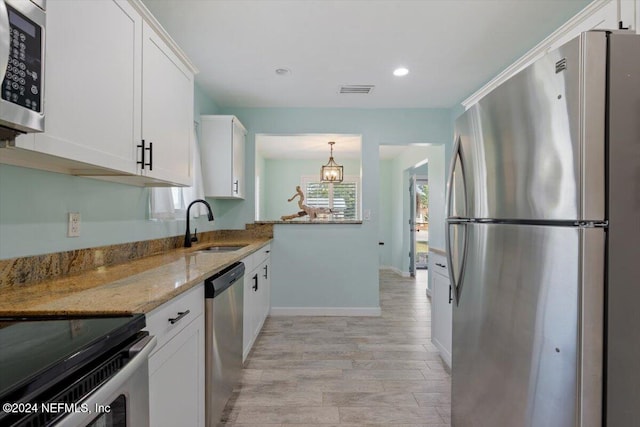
[{"x": 121, "y": 401}]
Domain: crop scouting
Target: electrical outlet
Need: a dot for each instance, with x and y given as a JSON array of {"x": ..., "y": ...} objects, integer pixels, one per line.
[{"x": 73, "y": 229}]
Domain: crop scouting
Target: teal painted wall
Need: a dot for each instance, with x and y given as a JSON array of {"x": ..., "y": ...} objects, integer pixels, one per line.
[
  {"x": 262, "y": 189},
  {"x": 34, "y": 206},
  {"x": 357, "y": 247},
  {"x": 324, "y": 265},
  {"x": 394, "y": 199},
  {"x": 282, "y": 176},
  {"x": 422, "y": 170},
  {"x": 385, "y": 212}
]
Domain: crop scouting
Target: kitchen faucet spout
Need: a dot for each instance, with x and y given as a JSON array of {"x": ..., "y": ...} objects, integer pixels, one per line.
[{"x": 187, "y": 233}]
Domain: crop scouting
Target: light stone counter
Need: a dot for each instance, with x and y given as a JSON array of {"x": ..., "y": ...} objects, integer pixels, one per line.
[
  {"x": 438, "y": 251},
  {"x": 137, "y": 286}
]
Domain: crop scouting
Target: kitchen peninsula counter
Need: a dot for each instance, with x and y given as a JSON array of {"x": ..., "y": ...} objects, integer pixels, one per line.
[
  {"x": 310, "y": 222},
  {"x": 137, "y": 286}
]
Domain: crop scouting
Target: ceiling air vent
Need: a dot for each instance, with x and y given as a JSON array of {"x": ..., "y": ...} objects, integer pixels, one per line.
[{"x": 357, "y": 89}]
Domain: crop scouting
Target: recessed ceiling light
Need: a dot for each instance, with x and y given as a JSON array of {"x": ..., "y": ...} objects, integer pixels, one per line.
[
  {"x": 399, "y": 72},
  {"x": 283, "y": 71}
]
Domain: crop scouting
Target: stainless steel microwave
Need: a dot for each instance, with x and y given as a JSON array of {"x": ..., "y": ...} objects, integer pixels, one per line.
[{"x": 22, "y": 53}]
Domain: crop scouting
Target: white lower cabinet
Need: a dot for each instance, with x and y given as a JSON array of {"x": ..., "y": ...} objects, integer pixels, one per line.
[
  {"x": 441, "y": 306},
  {"x": 257, "y": 296},
  {"x": 176, "y": 367}
]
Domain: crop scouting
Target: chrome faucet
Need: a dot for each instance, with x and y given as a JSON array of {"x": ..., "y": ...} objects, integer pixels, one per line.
[{"x": 187, "y": 234}]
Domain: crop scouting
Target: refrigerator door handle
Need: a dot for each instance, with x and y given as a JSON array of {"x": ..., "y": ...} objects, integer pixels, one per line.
[
  {"x": 456, "y": 285},
  {"x": 456, "y": 148},
  {"x": 457, "y": 220},
  {"x": 456, "y": 155}
]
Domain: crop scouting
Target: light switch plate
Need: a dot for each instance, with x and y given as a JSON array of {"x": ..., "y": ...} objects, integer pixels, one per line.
[
  {"x": 73, "y": 228},
  {"x": 367, "y": 214}
]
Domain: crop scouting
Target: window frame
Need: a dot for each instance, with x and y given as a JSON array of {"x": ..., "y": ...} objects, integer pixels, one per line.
[{"x": 355, "y": 179}]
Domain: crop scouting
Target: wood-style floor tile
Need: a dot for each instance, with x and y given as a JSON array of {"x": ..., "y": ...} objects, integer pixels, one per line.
[{"x": 347, "y": 371}]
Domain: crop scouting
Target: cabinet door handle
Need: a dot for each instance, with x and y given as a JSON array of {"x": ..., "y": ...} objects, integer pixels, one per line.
[
  {"x": 142, "y": 150},
  {"x": 255, "y": 280},
  {"x": 236, "y": 184},
  {"x": 441, "y": 265},
  {"x": 450, "y": 298},
  {"x": 150, "y": 164},
  {"x": 266, "y": 271},
  {"x": 181, "y": 314}
]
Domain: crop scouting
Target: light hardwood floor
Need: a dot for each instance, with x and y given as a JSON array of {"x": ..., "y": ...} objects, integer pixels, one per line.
[{"x": 347, "y": 371}]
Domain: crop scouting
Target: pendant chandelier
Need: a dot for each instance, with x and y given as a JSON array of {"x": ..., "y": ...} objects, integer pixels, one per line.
[{"x": 331, "y": 172}]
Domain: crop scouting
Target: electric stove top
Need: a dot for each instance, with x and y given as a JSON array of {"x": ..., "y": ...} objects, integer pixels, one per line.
[{"x": 37, "y": 352}]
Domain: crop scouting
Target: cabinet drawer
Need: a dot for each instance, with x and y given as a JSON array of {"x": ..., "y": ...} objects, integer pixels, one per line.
[
  {"x": 256, "y": 258},
  {"x": 438, "y": 264},
  {"x": 249, "y": 263},
  {"x": 261, "y": 254},
  {"x": 159, "y": 323}
]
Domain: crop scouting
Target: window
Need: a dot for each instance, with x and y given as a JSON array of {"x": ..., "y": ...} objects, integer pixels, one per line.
[{"x": 341, "y": 197}]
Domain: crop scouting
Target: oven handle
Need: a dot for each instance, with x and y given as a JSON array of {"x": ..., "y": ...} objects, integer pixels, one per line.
[{"x": 140, "y": 356}]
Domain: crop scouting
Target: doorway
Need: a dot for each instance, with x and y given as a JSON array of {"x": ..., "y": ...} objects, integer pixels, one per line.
[
  {"x": 418, "y": 223},
  {"x": 421, "y": 223}
]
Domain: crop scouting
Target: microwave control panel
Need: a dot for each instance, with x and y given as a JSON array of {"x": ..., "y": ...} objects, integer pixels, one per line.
[{"x": 22, "y": 84}]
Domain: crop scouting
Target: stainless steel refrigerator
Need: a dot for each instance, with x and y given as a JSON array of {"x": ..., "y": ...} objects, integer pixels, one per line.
[{"x": 543, "y": 235}]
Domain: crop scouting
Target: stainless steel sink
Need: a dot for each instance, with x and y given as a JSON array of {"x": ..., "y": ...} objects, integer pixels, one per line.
[{"x": 214, "y": 249}]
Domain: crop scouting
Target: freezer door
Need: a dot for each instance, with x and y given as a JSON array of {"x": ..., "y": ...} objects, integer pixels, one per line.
[
  {"x": 457, "y": 197},
  {"x": 534, "y": 147},
  {"x": 527, "y": 329}
]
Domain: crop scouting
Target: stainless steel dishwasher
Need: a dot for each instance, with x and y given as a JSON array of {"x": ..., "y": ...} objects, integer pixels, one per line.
[{"x": 224, "y": 293}]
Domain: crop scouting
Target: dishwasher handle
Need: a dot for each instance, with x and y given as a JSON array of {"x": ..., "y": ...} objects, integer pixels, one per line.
[{"x": 219, "y": 282}]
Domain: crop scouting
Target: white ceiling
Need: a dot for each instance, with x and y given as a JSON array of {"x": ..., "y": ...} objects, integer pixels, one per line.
[
  {"x": 308, "y": 146},
  {"x": 451, "y": 47}
]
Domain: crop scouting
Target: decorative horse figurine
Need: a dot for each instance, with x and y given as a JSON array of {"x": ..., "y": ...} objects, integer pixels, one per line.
[{"x": 304, "y": 209}]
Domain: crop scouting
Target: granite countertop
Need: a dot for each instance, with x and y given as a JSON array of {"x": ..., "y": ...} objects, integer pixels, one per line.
[
  {"x": 438, "y": 251},
  {"x": 138, "y": 286}
]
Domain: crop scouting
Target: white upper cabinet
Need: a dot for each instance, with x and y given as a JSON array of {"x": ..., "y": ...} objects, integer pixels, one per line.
[
  {"x": 223, "y": 147},
  {"x": 167, "y": 110},
  {"x": 114, "y": 79},
  {"x": 93, "y": 83}
]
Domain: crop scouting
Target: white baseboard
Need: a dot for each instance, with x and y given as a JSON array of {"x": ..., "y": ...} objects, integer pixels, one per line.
[
  {"x": 395, "y": 270},
  {"x": 325, "y": 311}
]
